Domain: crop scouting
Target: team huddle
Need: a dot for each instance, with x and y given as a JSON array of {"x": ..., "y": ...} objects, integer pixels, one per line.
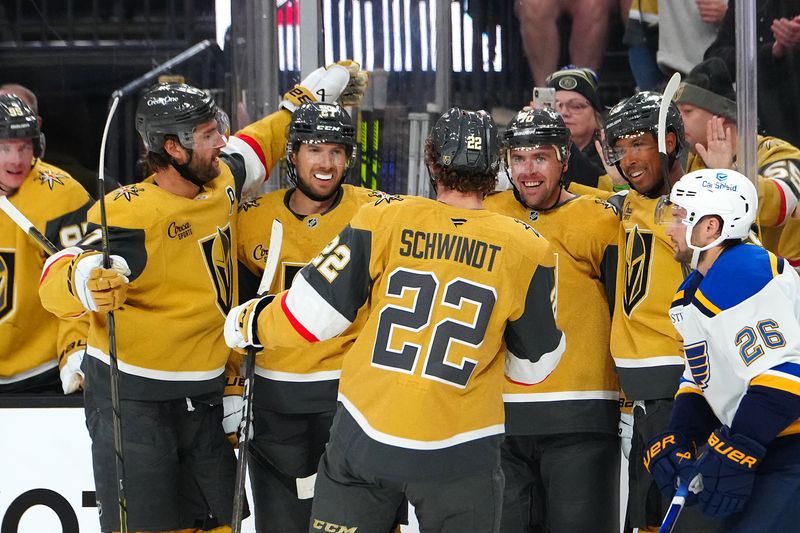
[{"x": 466, "y": 354}]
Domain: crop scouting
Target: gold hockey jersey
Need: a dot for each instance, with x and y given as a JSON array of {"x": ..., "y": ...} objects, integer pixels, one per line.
[
  {"x": 582, "y": 392},
  {"x": 778, "y": 188},
  {"x": 297, "y": 380},
  {"x": 646, "y": 348},
  {"x": 447, "y": 290},
  {"x": 183, "y": 282},
  {"x": 32, "y": 341}
]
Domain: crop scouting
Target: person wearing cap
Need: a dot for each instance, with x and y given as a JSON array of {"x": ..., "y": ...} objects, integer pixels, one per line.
[
  {"x": 707, "y": 103},
  {"x": 578, "y": 103}
]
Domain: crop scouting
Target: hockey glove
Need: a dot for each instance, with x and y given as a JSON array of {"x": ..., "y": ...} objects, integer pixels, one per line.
[
  {"x": 357, "y": 86},
  {"x": 71, "y": 373},
  {"x": 728, "y": 466},
  {"x": 97, "y": 288},
  {"x": 668, "y": 457},
  {"x": 625, "y": 431},
  {"x": 241, "y": 324},
  {"x": 327, "y": 84},
  {"x": 233, "y": 408}
]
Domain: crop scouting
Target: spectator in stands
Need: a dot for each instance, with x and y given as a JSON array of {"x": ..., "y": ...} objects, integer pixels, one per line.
[
  {"x": 641, "y": 36},
  {"x": 579, "y": 105},
  {"x": 778, "y": 35},
  {"x": 707, "y": 103},
  {"x": 687, "y": 27},
  {"x": 540, "y": 34}
]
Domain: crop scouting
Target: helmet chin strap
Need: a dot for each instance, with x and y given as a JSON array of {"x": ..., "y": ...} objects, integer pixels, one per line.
[{"x": 697, "y": 250}]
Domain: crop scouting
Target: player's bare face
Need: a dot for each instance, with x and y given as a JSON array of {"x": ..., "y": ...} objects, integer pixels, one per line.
[
  {"x": 320, "y": 169},
  {"x": 695, "y": 123},
  {"x": 536, "y": 172},
  {"x": 16, "y": 157},
  {"x": 641, "y": 163},
  {"x": 676, "y": 231},
  {"x": 208, "y": 142}
]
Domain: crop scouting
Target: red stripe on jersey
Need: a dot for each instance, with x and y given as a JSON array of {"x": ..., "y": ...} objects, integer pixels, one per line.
[
  {"x": 298, "y": 327},
  {"x": 47, "y": 270},
  {"x": 782, "y": 212},
  {"x": 252, "y": 143}
]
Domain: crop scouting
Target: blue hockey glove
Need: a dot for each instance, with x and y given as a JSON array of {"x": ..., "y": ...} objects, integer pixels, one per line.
[
  {"x": 728, "y": 466},
  {"x": 668, "y": 456}
]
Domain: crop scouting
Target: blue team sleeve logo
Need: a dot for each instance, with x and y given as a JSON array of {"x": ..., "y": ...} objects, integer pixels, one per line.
[{"x": 697, "y": 358}]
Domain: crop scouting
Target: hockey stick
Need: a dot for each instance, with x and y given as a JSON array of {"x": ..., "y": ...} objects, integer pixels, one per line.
[
  {"x": 675, "y": 508},
  {"x": 26, "y": 225},
  {"x": 112, "y": 332},
  {"x": 666, "y": 100},
  {"x": 275, "y": 243}
]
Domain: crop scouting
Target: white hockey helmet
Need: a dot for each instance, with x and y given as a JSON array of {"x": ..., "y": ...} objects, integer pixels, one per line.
[{"x": 727, "y": 194}]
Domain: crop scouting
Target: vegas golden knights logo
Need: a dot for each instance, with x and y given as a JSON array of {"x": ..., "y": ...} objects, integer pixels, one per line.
[
  {"x": 638, "y": 262},
  {"x": 6, "y": 283},
  {"x": 219, "y": 262}
]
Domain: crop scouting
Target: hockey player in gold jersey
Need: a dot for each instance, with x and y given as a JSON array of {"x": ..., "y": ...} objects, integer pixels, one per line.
[
  {"x": 173, "y": 279},
  {"x": 561, "y": 451},
  {"x": 33, "y": 342},
  {"x": 647, "y": 351},
  {"x": 707, "y": 102},
  {"x": 453, "y": 293},
  {"x": 295, "y": 389}
]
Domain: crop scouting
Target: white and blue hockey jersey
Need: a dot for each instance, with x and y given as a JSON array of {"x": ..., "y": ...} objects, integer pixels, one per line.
[{"x": 740, "y": 325}]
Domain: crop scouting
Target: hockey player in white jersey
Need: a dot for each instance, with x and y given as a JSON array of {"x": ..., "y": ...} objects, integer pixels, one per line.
[{"x": 734, "y": 427}]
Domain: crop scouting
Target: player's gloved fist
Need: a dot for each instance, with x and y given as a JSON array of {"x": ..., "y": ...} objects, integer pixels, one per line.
[
  {"x": 323, "y": 85},
  {"x": 353, "y": 93},
  {"x": 97, "y": 288},
  {"x": 241, "y": 324},
  {"x": 71, "y": 373},
  {"x": 625, "y": 431},
  {"x": 233, "y": 408},
  {"x": 728, "y": 466},
  {"x": 669, "y": 456}
]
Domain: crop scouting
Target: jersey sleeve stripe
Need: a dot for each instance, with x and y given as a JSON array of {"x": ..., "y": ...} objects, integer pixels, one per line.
[
  {"x": 678, "y": 299},
  {"x": 253, "y": 144},
  {"x": 688, "y": 387},
  {"x": 774, "y": 264},
  {"x": 705, "y": 305},
  {"x": 784, "y": 382},
  {"x": 526, "y": 372},
  {"x": 791, "y": 429},
  {"x": 308, "y": 310},
  {"x": 298, "y": 327},
  {"x": 70, "y": 252},
  {"x": 793, "y": 369}
]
